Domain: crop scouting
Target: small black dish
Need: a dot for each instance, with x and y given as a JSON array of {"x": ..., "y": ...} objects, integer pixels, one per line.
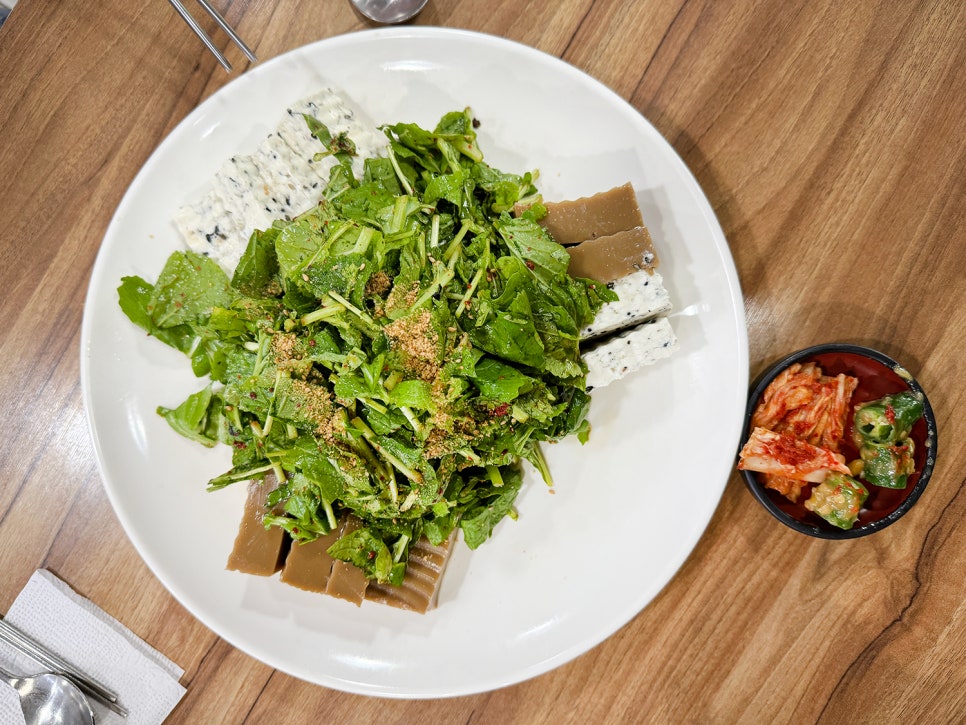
[{"x": 878, "y": 375}]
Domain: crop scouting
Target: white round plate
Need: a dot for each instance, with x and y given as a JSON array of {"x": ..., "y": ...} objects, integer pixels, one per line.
[{"x": 627, "y": 508}]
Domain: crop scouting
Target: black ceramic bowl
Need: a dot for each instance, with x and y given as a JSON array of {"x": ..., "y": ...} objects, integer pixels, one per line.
[{"x": 878, "y": 375}]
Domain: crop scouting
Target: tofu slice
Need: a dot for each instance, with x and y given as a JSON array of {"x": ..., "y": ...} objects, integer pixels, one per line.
[
  {"x": 308, "y": 565},
  {"x": 620, "y": 355},
  {"x": 609, "y": 258},
  {"x": 329, "y": 107},
  {"x": 419, "y": 591},
  {"x": 258, "y": 550},
  {"x": 292, "y": 181},
  {"x": 642, "y": 296},
  {"x": 279, "y": 180},
  {"x": 589, "y": 217},
  {"x": 347, "y": 581},
  {"x": 208, "y": 224}
]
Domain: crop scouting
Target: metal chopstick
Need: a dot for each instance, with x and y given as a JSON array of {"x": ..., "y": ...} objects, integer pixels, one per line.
[
  {"x": 222, "y": 23},
  {"x": 17, "y": 639}
]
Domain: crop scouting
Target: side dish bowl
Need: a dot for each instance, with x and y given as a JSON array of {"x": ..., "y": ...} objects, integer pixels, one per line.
[{"x": 878, "y": 375}]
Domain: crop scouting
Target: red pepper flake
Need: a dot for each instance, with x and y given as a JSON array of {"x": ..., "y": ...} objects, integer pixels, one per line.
[
  {"x": 786, "y": 449},
  {"x": 253, "y": 395},
  {"x": 501, "y": 410},
  {"x": 530, "y": 264},
  {"x": 890, "y": 414}
]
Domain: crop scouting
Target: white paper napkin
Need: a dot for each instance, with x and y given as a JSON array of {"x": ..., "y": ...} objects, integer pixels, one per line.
[{"x": 53, "y": 614}]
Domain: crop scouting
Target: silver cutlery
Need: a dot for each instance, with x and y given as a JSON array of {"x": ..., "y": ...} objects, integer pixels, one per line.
[
  {"x": 209, "y": 43},
  {"x": 50, "y": 699},
  {"x": 59, "y": 666},
  {"x": 389, "y": 11}
]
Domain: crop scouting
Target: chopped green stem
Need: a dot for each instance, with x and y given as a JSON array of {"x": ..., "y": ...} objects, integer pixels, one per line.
[
  {"x": 375, "y": 405},
  {"x": 411, "y": 417},
  {"x": 496, "y": 478},
  {"x": 279, "y": 472},
  {"x": 434, "y": 232},
  {"x": 399, "y": 174},
  {"x": 421, "y": 247},
  {"x": 235, "y": 418},
  {"x": 399, "y": 236},
  {"x": 541, "y": 464},
  {"x": 399, "y": 548},
  {"x": 393, "y": 488},
  {"x": 264, "y": 341},
  {"x": 370, "y": 436},
  {"x": 247, "y": 474},
  {"x": 470, "y": 455},
  {"x": 399, "y": 209},
  {"x": 408, "y": 503},
  {"x": 329, "y": 514},
  {"x": 442, "y": 279},
  {"x": 364, "y": 316},
  {"x": 323, "y": 313},
  {"x": 452, "y": 250},
  {"x": 365, "y": 236},
  {"x": 470, "y": 290}
]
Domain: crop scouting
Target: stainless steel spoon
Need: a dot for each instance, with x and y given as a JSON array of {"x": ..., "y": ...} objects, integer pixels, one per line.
[
  {"x": 49, "y": 699},
  {"x": 389, "y": 11}
]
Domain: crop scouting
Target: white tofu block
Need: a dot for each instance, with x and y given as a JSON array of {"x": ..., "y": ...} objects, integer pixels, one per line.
[
  {"x": 616, "y": 357},
  {"x": 279, "y": 180},
  {"x": 207, "y": 224},
  {"x": 642, "y": 296},
  {"x": 240, "y": 182},
  {"x": 292, "y": 182},
  {"x": 330, "y": 108}
]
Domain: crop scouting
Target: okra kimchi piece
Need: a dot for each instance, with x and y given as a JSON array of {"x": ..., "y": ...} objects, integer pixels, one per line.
[
  {"x": 889, "y": 419},
  {"x": 838, "y": 500},
  {"x": 888, "y": 466}
]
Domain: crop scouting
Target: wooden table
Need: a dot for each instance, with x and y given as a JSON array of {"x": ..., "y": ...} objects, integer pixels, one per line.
[{"x": 831, "y": 140}]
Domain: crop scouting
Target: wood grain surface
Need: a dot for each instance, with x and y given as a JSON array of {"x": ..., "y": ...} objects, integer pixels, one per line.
[{"x": 830, "y": 138}]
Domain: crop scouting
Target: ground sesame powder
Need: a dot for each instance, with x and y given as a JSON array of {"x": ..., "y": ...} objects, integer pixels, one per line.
[{"x": 415, "y": 336}]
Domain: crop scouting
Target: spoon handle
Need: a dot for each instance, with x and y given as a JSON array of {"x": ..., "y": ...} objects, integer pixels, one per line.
[{"x": 17, "y": 639}]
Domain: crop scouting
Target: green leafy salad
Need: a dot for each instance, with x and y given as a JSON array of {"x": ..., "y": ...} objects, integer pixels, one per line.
[{"x": 393, "y": 353}]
